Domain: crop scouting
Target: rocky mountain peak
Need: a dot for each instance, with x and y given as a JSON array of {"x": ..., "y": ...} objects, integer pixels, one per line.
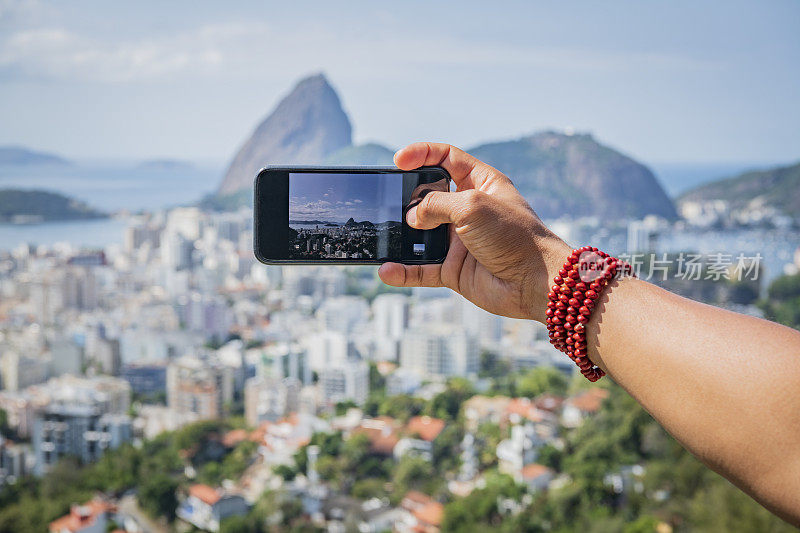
[{"x": 307, "y": 126}]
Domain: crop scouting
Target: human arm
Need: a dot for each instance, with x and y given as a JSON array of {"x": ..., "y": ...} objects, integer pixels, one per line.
[{"x": 727, "y": 386}]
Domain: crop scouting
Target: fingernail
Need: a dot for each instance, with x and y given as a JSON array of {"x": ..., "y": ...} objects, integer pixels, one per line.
[{"x": 411, "y": 216}]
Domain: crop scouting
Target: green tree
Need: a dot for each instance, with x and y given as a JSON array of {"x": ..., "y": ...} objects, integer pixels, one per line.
[
  {"x": 783, "y": 301},
  {"x": 157, "y": 496},
  {"x": 540, "y": 380},
  {"x": 447, "y": 404}
]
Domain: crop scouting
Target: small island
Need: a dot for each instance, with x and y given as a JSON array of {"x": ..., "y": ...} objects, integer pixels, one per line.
[{"x": 19, "y": 206}]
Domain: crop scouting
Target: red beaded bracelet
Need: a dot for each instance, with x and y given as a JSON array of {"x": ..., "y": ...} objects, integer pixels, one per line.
[{"x": 571, "y": 299}]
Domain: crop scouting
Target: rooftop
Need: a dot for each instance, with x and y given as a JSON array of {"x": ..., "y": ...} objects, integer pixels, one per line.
[
  {"x": 428, "y": 428},
  {"x": 204, "y": 493}
]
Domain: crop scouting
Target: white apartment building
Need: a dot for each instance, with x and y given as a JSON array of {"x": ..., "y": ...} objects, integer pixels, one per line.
[
  {"x": 346, "y": 380},
  {"x": 440, "y": 350}
]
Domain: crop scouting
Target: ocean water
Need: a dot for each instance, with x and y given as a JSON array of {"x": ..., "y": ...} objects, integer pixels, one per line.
[
  {"x": 97, "y": 233},
  {"x": 118, "y": 185},
  {"x": 107, "y": 186}
]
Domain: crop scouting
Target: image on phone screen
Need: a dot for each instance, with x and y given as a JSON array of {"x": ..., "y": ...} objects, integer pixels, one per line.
[{"x": 345, "y": 216}]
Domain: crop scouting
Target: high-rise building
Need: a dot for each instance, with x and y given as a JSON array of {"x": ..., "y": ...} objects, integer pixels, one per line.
[
  {"x": 66, "y": 357},
  {"x": 76, "y": 430},
  {"x": 204, "y": 314},
  {"x": 80, "y": 288},
  {"x": 285, "y": 360},
  {"x": 441, "y": 350},
  {"x": 146, "y": 378},
  {"x": 198, "y": 386},
  {"x": 270, "y": 399},
  {"x": 390, "y": 319},
  {"x": 343, "y": 381},
  {"x": 19, "y": 371},
  {"x": 342, "y": 314}
]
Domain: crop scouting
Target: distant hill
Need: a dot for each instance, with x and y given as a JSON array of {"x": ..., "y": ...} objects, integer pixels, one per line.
[
  {"x": 559, "y": 174},
  {"x": 165, "y": 165},
  {"x": 362, "y": 154},
  {"x": 17, "y": 155},
  {"x": 366, "y": 224},
  {"x": 30, "y": 206},
  {"x": 775, "y": 188},
  {"x": 562, "y": 174}
]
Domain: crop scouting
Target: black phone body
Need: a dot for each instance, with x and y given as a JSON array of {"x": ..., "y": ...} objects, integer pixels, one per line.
[{"x": 345, "y": 215}]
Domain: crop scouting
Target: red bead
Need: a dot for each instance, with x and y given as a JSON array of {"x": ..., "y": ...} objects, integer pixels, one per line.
[
  {"x": 557, "y": 280},
  {"x": 563, "y": 297},
  {"x": 559, "y": 328},
  {"x": 575, "y": 275},
  {"x": 551, "y": 305},
  {"x": 571, "y": 319},
  {"x": 570, "y": 282},
  {"x": 569, "y": 341},
  {"x": 583, "y": 319},
  {"x": 561, "y": 305},
  {"x": 580, "y": 286},
  {"x": 585, "y": 311},
  {"x": 579, "y": 328},
  {"x": 555, "y": 320},
  {"x": 568, "y": 325},
  {"x": 588, "y": 303},
  {"x": 562, "y": 272},
  {"x": 551, "y": 295},
  {"x": 591, "y": 294},
  {"x": 548, "y": 311},
  {"x": 595, "y": 286},
  {"x": 565, "y": 290},
  {"x": 555, "y": 288},
  {"x": 560, "y": 313},
  {"x": 574, "y": 302}
]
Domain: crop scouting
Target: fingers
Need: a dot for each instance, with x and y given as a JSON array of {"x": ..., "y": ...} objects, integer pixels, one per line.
[
  {"x": 438, "y": 208},
  {"x": 467, "y": 171},
  {"x": 399, "y": 275}
]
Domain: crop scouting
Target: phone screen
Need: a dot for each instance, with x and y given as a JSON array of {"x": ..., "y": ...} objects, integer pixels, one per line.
[
  {"x": 345, "y": 216},
  {"x": 352, "y": 215}
]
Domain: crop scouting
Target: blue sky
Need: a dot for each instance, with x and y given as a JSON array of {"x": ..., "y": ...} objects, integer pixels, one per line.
[
  {"x": 338, "y": 197},
  {"x": 662, "y": 81}
]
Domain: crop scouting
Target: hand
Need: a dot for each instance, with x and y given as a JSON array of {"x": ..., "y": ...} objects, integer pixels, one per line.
[{"x": 501, "y": 258}]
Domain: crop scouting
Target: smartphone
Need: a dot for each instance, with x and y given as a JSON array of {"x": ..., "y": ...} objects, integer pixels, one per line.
[{"x": 353, "y": 215}]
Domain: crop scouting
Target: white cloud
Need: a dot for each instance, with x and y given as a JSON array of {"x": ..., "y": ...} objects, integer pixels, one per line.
[
  {"x": 62, "y": 54},
  {"x": 251, "y": 49}
]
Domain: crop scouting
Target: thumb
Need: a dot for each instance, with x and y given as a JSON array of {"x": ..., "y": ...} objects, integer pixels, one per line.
[{"x": 438, "y": 207}]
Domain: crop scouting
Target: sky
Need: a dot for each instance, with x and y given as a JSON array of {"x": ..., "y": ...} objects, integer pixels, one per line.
[
  {"x": 338, "y": 197},
  {"x": 679, "y": 81}
]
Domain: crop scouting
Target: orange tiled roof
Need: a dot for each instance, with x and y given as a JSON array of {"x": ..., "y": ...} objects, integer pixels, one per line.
[
  {"x": 426, "y": 427},
  {"x": 430, "y": 514},
  {"x": 525, "y": 408},
  {"x": 534, "y": 470},
  {"x": 548, "y": 402},
  {"x": 204, "y": 493},
  {"x": 234, "y": 437},
  {"x": 81, "y": 516},
  {"x": 382, "y": 434},
  {"x": 415, "y": 500},
  {"x": 590, "y": 401}
]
